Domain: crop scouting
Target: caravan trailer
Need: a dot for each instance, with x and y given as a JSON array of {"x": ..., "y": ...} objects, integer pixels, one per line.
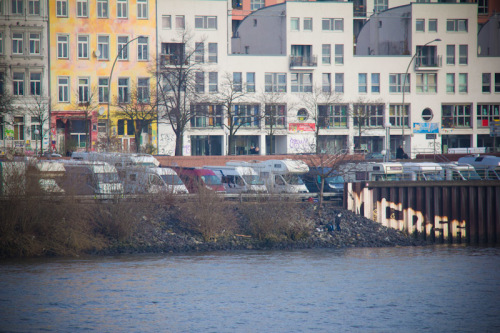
[
  {"x": 239, "y": 179},
  {"x": 459, "y": 171},
  {"x": 280, "y": 176},
  {"x": 422, "y": 171},
  {"x": 487, "y": 166},
  {"x": 371, "y": 171},
  {"x": 49, "y": 175}
]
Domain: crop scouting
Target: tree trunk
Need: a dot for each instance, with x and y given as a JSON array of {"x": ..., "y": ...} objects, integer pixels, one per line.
[
  {"x": 230, "y": 144},
  {"x": 179, "y": 142}
]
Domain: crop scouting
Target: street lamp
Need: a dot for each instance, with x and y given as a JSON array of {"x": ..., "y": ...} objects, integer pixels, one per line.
[
  {"x": 387, "y": 142},
  {"x": 37, "y": 132},
  {"x": 404, "y": 89},
  {"x": 109, "y": 86}
]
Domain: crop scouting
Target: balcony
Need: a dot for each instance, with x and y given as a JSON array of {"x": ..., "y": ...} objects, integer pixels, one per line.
[
  {"x": 428, "y": 62},
  {"x": 303, "y": 61},
  {"x": 172, "y": 60}
]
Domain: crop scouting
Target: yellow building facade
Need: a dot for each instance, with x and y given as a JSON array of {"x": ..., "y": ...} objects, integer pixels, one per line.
[{"x": 100, "y": 52}]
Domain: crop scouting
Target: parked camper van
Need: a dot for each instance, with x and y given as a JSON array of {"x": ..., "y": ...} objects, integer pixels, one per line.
[
  {"x": 140, "y": 173},
  {"x": 334, "y": 182},
  {"x": 91, "y": 178},
  {"x": 487, "y": 166},
  {"x": 422, "y": 171},
  {"x": 239, "y": 179},
  {"x": 49, "y": 175},
  {"x": 459, "y": 171},
  {"x": 371, "y": 171},
  {"x": 12, "y": 178},
  {"x": 193, "y": 178},
  {"x": 280, "y": 176}
]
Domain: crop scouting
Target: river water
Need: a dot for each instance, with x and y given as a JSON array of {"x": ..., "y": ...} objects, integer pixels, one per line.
[{"x": 410, "y": 289}]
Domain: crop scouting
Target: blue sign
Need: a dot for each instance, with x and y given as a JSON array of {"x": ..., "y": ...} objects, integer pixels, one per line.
[{"x": 426, "y": 128}]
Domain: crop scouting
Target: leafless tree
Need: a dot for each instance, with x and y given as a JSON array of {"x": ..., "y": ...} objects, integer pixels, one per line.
[
  {"x": 38, "y": 108},
  {"x": 366, "y": 113},
  {"x": 87, "y": 101},
  {"x": 274, "y": 114}
]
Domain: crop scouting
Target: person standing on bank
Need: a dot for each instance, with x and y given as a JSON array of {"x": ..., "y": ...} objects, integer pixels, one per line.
[{"x": 400, "y": 154}]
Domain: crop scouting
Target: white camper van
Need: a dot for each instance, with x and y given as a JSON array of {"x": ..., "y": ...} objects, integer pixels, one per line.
[
  {"x": 239, "y": 179},
  {"x": 48, "y": 175},
  {"x": 459, "y": 171},
  {"x": 86, "y": 178},
  {"x": 280, "y": 176},
  {"x": 487, "y": 166},
  {"x": 371, "y": 171},
  {"x": 140, "y": 173},
  {"x": 422, "y": 171}
]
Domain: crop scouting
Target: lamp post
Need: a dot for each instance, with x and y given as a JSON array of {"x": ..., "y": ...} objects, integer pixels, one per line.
[
  {"x": 109, "y": 86},
  {"x": 37, "y": 132},
  {"x": 387, "y": 142},
  {"x": 404, "y": 89}
]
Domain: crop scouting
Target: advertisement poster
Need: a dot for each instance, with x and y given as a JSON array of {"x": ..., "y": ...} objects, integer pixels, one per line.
[
  {"x": 426, "y": 128},
  {"x": 301, "y": 127}
]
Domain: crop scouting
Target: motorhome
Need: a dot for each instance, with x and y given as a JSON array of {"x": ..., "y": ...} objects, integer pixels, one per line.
[
  {"x": 49, "y": 175},
  {"x": 140, "y": 173},
  {"x": 239, "y": 179},
  {"x": 459, "y": 171},
  {"x": 371, "y": 171},
  {"x": 487, "y": 166},
  {"x": 280, "y": 176},
  {"x": 194, "y": 178},
  {"x": 86, "y": 178},
  {"x": 333, "y": 184},
  {"x": 12, "y": 178},
  {"x": 422, "y": 171}
]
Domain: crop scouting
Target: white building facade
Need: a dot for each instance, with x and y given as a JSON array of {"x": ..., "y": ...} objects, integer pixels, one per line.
[{"x": 412, "y": 78}]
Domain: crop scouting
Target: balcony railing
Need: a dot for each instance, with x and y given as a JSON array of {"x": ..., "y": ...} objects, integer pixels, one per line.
[
  {"x": 428, "y": 62},
  {"x": 172, "y": 60},
  {"x": 301, "y": 61}
]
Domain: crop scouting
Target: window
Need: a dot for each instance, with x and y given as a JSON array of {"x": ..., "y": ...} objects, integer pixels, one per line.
[
  {"x": 17, "y": 43},
  {"x": 1, "y": 42},
  {"x": 332, "y": 24},
  {"x": 18, "y": 84},
  {"x": 370, "y": 115},
  {"x": 339, "y": 54},
  {"x": 462, "y": 82},
  {"x": 308, "y": 24},
  {"x": 398, "y": 115},
  {"x": 1, "y": 83},
  {"x": 122, "y": 47},
  {"x": 142, "y": 48},
  {"x": 102, "y": 8},
  {"x": 256, "y": 4},
  {"x": 166, "y": 22},
  {"x": 130, "y": 127},
  {"x": 450, "y": 54},
  {"x": 275, "y": 115},
  {"x": 456, "y": 115},
  {"x": 397, "y": 81},
  {"x": 326, "y": 82},
  {"x": 237, "y": 81},
  {"x": 294, "y": 23},
  {"x": 497, "y": 82},
  {"x": 142, "y": 9},
  {"x": 457, "y": 25},
  {"x": 246, "y": 115},
  {"x": 486, "y": 83},
  {"x": 482, "y": 7},
  {"x": 339, "y": 83},
  {"x": 199, "y": 80},
  {"x": 380, "y": 5},
  {"x": 34, "y": 43},
  {"x": 433, "y": 25},
  {"x": 205, "y": 22},
  {"x": 83, "y": 47},
  {"x": 17, "y": 7},
  {"x": 301, "y": 82},
  {"x": 450, "y": 83},
  {"x": 420, "y": 25},
  {"x": 326, "y": 54},
  {"x": 199, "y": 52},
  {"x": 180, "y": 22},
  {"x": 250, "y": 82},
  {"x": 62, "y": 8},
  {"x": 426, "y": 83},
  {"x": 82, "y": 7},
  {"x": 463, "y": 54},
  {"x": 212, "y": 53},
  {"x": 62, "y": 46},
  {"x": 121, "y": 8},
  {"x": 427, "y": 114},
  {"x": 63, "y": 89},
  {"x": 123, "y": 90},
  {"x": 376, "y": 83},
  {"x": 35, "y": 84},
  {"x": 143, "y": 90},
  {"x": 33, "y": 7},
  {"x": 121, "y": 126},
  {"x": 103, "y": 84},
  {"x": 275, "y": 82},
  {"x": 213, "y": 82},
  {"x": 487, "y": 113},
  {"x": 18, "y": 128},
  {"x": 362, "y": 84},
  {"x": 103, "y": 47},
  {"x": 83, "y": 89},
  {"x": 331, "y": 116},
  {"x": 206, "y": 115}
]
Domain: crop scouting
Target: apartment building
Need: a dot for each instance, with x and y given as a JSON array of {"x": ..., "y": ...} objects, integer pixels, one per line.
[
  {"x": 413, "y": 77},
  {"x": 101, "y": 52},
  {"x": 24, "y": 75}
]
